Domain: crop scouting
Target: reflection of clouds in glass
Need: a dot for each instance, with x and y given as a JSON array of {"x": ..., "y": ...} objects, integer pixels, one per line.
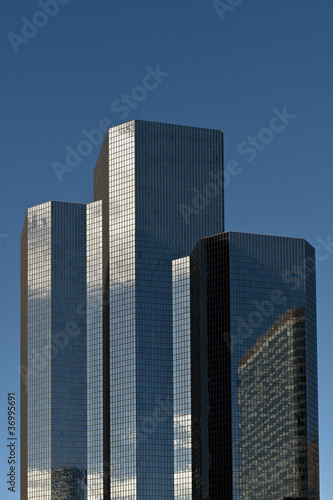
[
  {"x": 120, "y": 489},
  {"x": 53, "y": 338},
  {"x": 39, "y": 484},
  {"x": 182, "y": 431},
  {"x": 182, "y": 379},
  {"x": 123, "y": 490},
  {"x": 39, "y": 350},
  {"x": 39, "y": 250},
  {"x": 183, "y": 477},
  {"x": 95, "y": 396},
  {"x": 122, "y": 287},
  {"x": 180, "y": 269}
]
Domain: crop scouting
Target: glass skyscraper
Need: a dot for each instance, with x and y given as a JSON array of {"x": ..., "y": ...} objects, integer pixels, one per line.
[
  {"x": 152, "y": 364},
  {"x": 54, "y": 352},
  {"x": 253, "y": 368},
  {"x": 149, "y": 177}
]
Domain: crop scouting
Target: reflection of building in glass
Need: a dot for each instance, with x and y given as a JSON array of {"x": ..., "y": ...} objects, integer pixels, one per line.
[
  {"x": 69, "y": 482},
  {"x": 273, "y": 420},
  {"x": 253, "y": 368}
]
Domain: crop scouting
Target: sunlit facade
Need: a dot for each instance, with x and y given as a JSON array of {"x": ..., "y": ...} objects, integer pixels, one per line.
[
  {"x": 182, "y": 428},
  {"x": 54, "y": 353},
  {"x": 154, "y": 173},
  {"x": 95, "y": 401}
]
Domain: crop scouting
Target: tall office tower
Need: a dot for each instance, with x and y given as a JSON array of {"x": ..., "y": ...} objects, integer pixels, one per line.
[
  {"x": 160, "y": 187},
  {"x": 54, "y": 352},
  {"x": 253, "y": 369}
]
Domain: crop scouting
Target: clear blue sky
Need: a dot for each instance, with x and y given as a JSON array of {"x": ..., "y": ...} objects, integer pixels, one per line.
[{"x": 226, "y": 74}]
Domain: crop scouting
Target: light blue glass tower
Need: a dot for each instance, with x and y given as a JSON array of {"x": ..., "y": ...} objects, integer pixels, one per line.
[{"x": 54, "y": 353}]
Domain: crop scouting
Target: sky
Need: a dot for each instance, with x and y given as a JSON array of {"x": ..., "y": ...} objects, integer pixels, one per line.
[{"x": 70, "y": 67}]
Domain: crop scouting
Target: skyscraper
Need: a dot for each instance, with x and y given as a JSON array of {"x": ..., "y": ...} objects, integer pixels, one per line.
[
  {"x": 253, "y": 369},
  {"x": 149, "y": 177},
  {"x": 162, "y": 358},
  {"x": 53, "y": 352}
]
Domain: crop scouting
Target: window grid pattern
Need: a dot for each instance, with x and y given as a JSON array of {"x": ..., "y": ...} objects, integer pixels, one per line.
[
  {"x": 311, "y": 373},
  {"x": 182, "y": 379},
  {"x": 101, "y": 192},
  {"x": 174, "y": 164},
  {"x": 56, "y": 338},
  {"x": 269, "y": 336},
  {"x": 251, "y": 430},
  {"x": 155, "y": 174},
  {"x": 69, "y": 352},
  {"x": 270, "y": 445},
  {"x": 262, "y": 341},
  {"x": 123, "y": 481},
  {"x": 39, "y": 352},
  {"x": 95, "y": 470}
]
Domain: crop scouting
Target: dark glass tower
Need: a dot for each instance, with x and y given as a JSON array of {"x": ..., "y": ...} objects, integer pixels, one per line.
[
  {"x": 253, "y": 370},
  {"x": 54, "y": 353},
  {"x": 159, "y": 198}
]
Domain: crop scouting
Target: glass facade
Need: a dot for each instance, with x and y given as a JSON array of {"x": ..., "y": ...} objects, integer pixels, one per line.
[
  {"x": 38, "y": 331},
  {"x": 254, "y": 368},
  {"x": 99, "y": 458},
  {"x": 271, "y": 413},
  {"x": 181, "y": 307},
  {"x": 157, "y": 212},
  {"x": 159, "y": 361},
  {"x": 54, "y": 338},
  {"x": 95, "y": 422}
]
